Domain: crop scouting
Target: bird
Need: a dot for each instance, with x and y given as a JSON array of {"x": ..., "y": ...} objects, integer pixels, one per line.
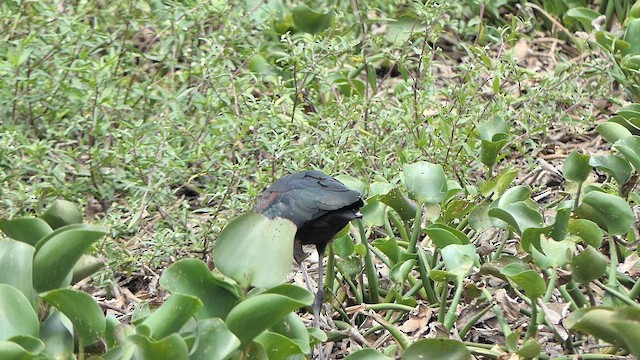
[{"x": 320, "y": 206}]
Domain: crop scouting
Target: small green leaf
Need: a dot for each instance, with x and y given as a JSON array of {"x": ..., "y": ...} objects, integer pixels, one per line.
[
  {"x": 437, "y": 349},
  {"x": 171, "y": 347},
  {"x": 587, "y": 230},
  {"x": 278, "y": 346},
  {"x": 519, "y": 215},
  {"x": 255, "y": 250},
  {"x": 612, "y": 132},
  {"x": 193, "y": 277},
  {"x": 576, "y": 167},
  {"x": 16, "y": 263},
  {"x": 215, "y": 341},
  {"x": 309, "y": 21},
  {"x": 460, "y": 259},
  {"x": 170, "y": 316},
  {"x": 630, "y": 149},
  {"x": 17, "y": 317},
  {"x": 61, "y": 213},
  {"x": 58, "y": 252},
  {"x": 613, "y": 210},
  {"x": 400, "y": 203},
  {"x": 613, "y": 165},
  {"x": 83, "y": 311},
  {"x": 425, "y": 182},
  {"x": 27, "y": 230},
  {"x": 57, "y": 335},
  {"x": 489, "y": 150},
  {"x": 582, "y": 15},
  {"x": 367, "y": 354},
  {"x": 589, "y": 265},
  {"x": 528, "y": 280}
]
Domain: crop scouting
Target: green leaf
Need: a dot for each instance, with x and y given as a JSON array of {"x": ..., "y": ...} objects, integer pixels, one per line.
[
  {"x": 278, "y": 347},
  {"x": 170, "y": 316},
  {"x": 257, "y": 313},
  {"x": 400, "y": 203},
  {"x": 389, "y": 247},
  {"x": 309, "y": 21},
  {"x": 425, "y": 182},
  {"x": 294, "y": 328},
  {"x": 367, "y": 354},
  {"x": 632, "y": 36},
  {"x": 554, "y": 254},
  {"x": 589, "y": 265},
  {"x": 530, "y": 349},
  {"x": 528, "y": 280},
  {"x": 171, "y": 347},
  {"x": 460, "y": 259},
  {"x": 57, "y": 333},
  {"x": 373, "y": 212},
  {"x": 61, "y": 213},
  {"x": 612, "y": 132},
  {"x": 489, "y": 150},
  {"x": 401, "y": 270},
  {"x": 26, "y": 230},
  {"x": 630, "y": 149},
  {"x": 193, "y": 277},
  {"x": 437, "y": 349},
  {"x": 83, "y": 311},
  {"x": 17, "y": 317},
  {"x": 576, "y": 167},
  {"x": 255, "y": 250},
  {"x": 58, "y": 252},
  {"x": 443, "y": 235},
  {"x": 10, "y": 350},
  {"x": 581, "y": 15},
  {"x": 85, "y": 267},
  {"x": 215, "y": 341},
  {"x": 612, "y": 210},
  {"x": 518, "y": 215},
  {"x": 16, "y": 261},
  {"x": 587, "y": 230},
  {"x": 618, "y": 326},
  {"x": 615, "y": 166}
]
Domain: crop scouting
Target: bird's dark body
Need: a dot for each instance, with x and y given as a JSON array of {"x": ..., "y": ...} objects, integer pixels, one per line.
[{"x": 317, "y": 204}]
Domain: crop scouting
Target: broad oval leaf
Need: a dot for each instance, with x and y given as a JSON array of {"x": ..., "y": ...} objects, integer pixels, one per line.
[
  {"x": 576, "y": 167},
  {"x": 170, "y": 316},
  {"x": 519, "y": 215},
  {"x": 630, "y": 149},
  {"x": 460, "y": 259},
  {"x": 589, "y": 265},
  {"x": 615, "y": 166},
  {"x": 612, "y": 132},
  {"x": 255, "y": 250},
  {"x": 57, "y": 253},
  {"x": 278, "y": 346},
  {"x": 437, "y": 349},
  {"x": 215, "y": 341},
  {"x": 16, "y": 267},
  {"x": 193, "y": 277},
  {"x": 26, "y": 230},
  {"x": 613, "y": 210},
  {"x": 587, "y": 230},
  {"x": 528, "y": 280},
  {"x": 83, "y": 311},
  {"x": 309, "y": 21},
  {"x": 489, "y": 150},
  {"x": 400, "y": 203},
  {"x": 57, "y": 333},
  {"x": 254, "y": 315},
  {"x": 425, "y": 182},
  {"x": 17, "y": 317},
  {"x": 61, "y": 213},
  {"x": 171, "y": 347}
]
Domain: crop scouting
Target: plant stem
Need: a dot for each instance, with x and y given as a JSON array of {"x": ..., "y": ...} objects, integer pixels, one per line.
[{"x": 370, "y": 269}]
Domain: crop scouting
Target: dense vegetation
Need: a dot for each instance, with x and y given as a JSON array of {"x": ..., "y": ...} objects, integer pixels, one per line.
[{"x": 495, "y": 142}]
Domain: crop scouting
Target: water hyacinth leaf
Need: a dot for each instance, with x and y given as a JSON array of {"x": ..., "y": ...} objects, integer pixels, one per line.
[
  {"x": 373, "y": 212},
  {"x": 26, "y": 230},
  {"x": 255, "y": 250},
  {"x": 514, "y": 195},
  {"x": 479, "y": 218},
  {"x": 457, "y": 209},
  {"x": 170, "y": 316},
  {"x": 615, "y": 166},
  {"x": 631, "y": 125},
  {"x": 401, "y": 270},
  {"x": 589, "y": 265},
  {"x": 632, "y": 36},
  {"x": 343, "y": 246},
  {"x": 254, "y": 315},
  {"x": 352, "y": 183},
  {"x": 612, "y": 131},
  {"x": 518, "y": 215},
  {"x": 425, "y": 182},
  {"x": 57, "y": 334},
  {"x": 613, "y": 210},
  {"x": 193, "y": 277},
  {"x": 171, "y": 347},
  {"x": 16, "y": 259},
  {"x": 367, "y": 354},
  {"x": 576, "y": 167},
  {"x": 460, "y": 259},
  {"x": 83, "y": 311},
  {"x": 294, "y": 328},
  {"x": 528, "y": 280},
  {"x": 61, "y": 213},
  {"x": 17, "y": 317},
  {"x": 630, "y": 149},
  {"x": 608, "y": 324},
  {"x": 215, "y": 341},
  {"x": 554, "y": 253},
  {"x": 500, "y": 183},
  {"x": 57, "y": 253},
  {"x": 530, "y": 238},
  {"x": 561, "y": 223},
  {"x": 530, "y": 349},
  {"x": 437, "y": 349},
  {"x": 489, "y": 150},
  {"x": 443, "y": 235},
  {"x": 309, "y": 21},
  {"x": 587, "y": 230},
  {"x": 581, "y": 15},
  {"x": 278, "y": 346},
  {"x": 400, "y": 203},
  {"x": 389, "y": 247}
]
